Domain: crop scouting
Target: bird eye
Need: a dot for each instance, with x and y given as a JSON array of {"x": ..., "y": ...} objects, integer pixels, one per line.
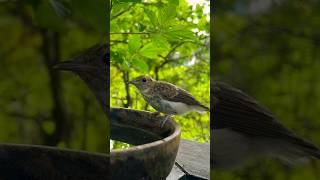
[{"x": 144, "y": 80}]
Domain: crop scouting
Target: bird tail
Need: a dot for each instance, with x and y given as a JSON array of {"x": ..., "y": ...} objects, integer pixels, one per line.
[
  {"x": 309, "y": 149},
  {"x": 300, "y": 152},
  {"x": 314, "y": 152},
  {"x": 201, "y": 109}
]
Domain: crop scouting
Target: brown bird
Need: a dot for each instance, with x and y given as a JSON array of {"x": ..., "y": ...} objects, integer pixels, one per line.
[
  {"x": 92, "y": 68},
  {"x": 166, "y": 97}
]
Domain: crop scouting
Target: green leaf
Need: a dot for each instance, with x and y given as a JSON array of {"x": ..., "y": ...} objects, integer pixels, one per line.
[
  {"x": 166, "y": 15},
  {"x": 125, "y": 65},
  {"x": 116, "y": 56},
  {"x": 134, "y": 43},
  {"x": 151, "y": 50},
  {"x": 140, "y": 65},
  {"x": 141, "y": 27},
  {"x": 180, "y": 33},
  {"x": 117, "y": 8},
  {"x": 160, "y": 41},
  {"x": 174, "y": 3},
  {"x": 114, "y": 27},
  {"x": 152, "y": 16}
]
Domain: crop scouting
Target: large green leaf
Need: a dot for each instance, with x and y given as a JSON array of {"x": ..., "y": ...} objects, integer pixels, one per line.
[
  {"x": 180, "y": 33},
  {"x": 140, "y": 65},
  {"x": 160, "y": 41},
  {"x": 152, "y": 16},
  {"x": 134, "y": 43},
  {"x": 118, "y": 7},
  {"x": 151, "y": 50},
  {"x": 166, "y": 15}
]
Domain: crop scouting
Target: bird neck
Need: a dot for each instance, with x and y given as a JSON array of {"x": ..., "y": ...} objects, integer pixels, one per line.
[{"x": 148, "y": 90}]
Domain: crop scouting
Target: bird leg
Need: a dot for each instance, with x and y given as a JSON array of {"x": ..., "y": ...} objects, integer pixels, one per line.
[
  {"x": 156, "y": 113},
  {"x": 165, "y": 120}
]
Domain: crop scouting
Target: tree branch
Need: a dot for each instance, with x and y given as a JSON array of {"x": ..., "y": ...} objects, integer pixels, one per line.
[
  {"x": 166, "y": 60},
  {"x": 51, "y": 54}
]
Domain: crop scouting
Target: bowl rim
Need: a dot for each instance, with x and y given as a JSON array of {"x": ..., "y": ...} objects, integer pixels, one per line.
[{"x": 176, "y": 132}]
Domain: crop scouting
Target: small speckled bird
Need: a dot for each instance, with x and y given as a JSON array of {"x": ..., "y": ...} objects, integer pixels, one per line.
[{"x": 166, "y": 97}]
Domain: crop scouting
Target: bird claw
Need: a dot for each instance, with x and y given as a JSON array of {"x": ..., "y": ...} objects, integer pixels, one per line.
[
  {"x": 165, "y": 120},
  {"x": 156, "y": 114}
]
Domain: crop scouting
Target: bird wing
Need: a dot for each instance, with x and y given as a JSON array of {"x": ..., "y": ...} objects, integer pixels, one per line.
[
  {"x": 237, "y": 111},
  {"x": 173, "y": 93}
]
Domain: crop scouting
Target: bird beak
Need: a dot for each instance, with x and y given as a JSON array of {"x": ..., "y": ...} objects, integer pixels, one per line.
[
  {"x": 74, "y": 66},
  {"x": 131, "y": 82}
]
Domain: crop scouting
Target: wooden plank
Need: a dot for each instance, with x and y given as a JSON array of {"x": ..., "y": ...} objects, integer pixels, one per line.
[
  {"x": 194, "y": 158},
  {"x": 175, "y": 173}
]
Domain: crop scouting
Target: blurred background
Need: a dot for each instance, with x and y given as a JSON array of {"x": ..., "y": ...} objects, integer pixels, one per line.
[
  {"x": 39, "y": 105},
  {"x": 270, "y": 50},
  {"x": 169, "y": 41}
]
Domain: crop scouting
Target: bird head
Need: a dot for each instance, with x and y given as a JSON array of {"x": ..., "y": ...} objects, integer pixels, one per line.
[
  {"x": 92, "y": 67},
  {"x": 93, "y": 60},
  {"x": 143, "y": 83},
  {"x": 76, "y": 67}
]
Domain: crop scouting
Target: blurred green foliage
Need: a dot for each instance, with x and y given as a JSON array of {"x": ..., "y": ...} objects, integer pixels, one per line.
[
  {"x": 168, "y": 40},
  {"x": 270, "y": 50},
  {"x": 36, "y": 34}
]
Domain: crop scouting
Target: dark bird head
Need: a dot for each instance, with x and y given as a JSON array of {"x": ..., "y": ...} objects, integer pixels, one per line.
[
  {"x": 143, "y": 83},
  {"x": 92, "y": 67}
]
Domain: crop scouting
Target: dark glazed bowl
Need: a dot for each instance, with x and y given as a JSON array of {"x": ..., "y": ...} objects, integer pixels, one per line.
[{"x": 156, "y": 147}]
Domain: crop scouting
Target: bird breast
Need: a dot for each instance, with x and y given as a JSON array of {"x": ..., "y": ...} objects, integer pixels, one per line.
[
  {"x": 177, "y": 107},
  {"x": 146, "y": 92}
]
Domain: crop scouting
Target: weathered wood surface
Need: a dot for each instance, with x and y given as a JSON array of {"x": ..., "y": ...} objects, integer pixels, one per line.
[
  {"x": 194, "y": 158},
  {"x": 176, "y": 173}
]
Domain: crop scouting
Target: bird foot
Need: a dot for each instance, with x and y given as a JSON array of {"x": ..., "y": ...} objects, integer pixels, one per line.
[
  {"x": 165, "y": 120},
  {"x": 156, "y": 114}
]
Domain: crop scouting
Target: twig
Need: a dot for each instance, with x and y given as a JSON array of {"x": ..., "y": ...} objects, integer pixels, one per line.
[
  {"x": 122, "y": 12},
  {"x": 166, "y": 60},
  {"x": 117, "y": 41},
  {"x": 181, "y": 168},
  {"x": 131, "y": 33},
  {"x": 125, "y": 78}
]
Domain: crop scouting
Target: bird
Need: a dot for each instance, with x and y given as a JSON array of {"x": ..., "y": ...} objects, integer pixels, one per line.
[
  {"x": 166, "y": 97},
  {"x": 243, "y": 130},
  {"x": 92, "y": 67}
]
